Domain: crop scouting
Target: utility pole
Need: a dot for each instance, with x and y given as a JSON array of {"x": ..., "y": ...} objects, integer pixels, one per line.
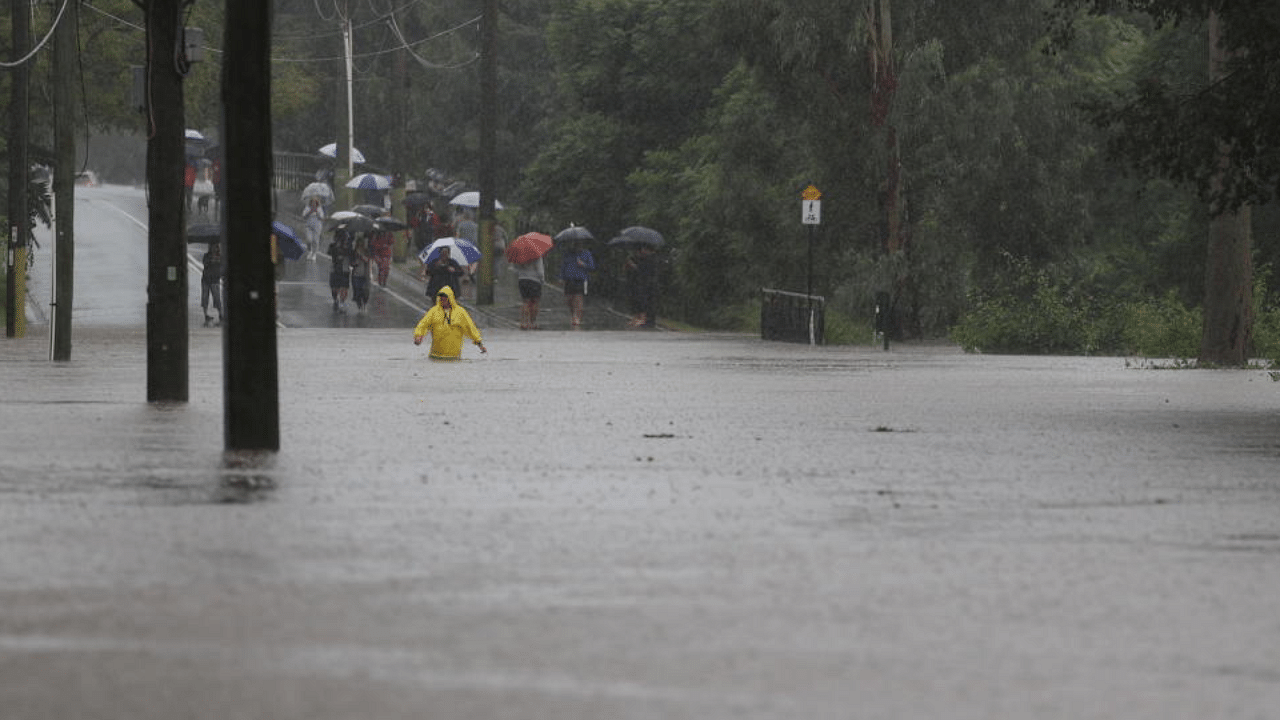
[
  {"x": 167, "y": 342},
  {"x": 64, "y": 144},
  {"x": 488, "y": 145},
  {"x": 19, "y": 229},
  {"x": 251, "y": 419},
  {"x": 343, "y": 115}
]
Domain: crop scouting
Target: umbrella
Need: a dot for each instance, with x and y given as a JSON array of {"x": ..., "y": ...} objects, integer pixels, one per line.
[
  {"x": 331, "y": 150},
  {"x": 574, "y": 233},
  {"x": 471, "y": 199},
  {"x": 372, "y": 211},
  {"x": 318, "y": 190},
  {"x": 194, "y": 135},
  {"x": 637, "y": 235},
  {"x": 351, "y": 221},
  {"x": 389, "y": 222},
  {"x": 370, "y": 181},
  {"x": 529, "y": 247},
  {"x": 287, "y": 240},
  {"x": 416, "y": 198},
  {"x": 204, "y": 233},
  {"x": 461, "y": 250}
]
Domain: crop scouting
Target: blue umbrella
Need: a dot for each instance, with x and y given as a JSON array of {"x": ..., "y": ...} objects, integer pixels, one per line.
[
  {"x": 462, "y": 250},
  {"x": 287, "y": 240}
]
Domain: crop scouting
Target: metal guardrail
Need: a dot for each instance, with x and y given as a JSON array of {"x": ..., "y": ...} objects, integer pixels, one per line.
[
  {"x": 792, "y": 317},
  {"x": 293, "y": 171}
]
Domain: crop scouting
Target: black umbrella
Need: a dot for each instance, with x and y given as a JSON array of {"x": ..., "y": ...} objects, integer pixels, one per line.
[
  {"x": 372, "y": 211},
  {"x": 637, "y": 235},
  {"x": 574, "y": 233},
  {"x": 204, "y": 233},
  {"x": 416, "y": 199},
  {"x": 357, "y": 225},
  {"x": 389, "y": 222}
]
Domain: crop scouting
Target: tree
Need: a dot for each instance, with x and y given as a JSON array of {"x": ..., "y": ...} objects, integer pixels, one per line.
[{"x": 1221, "y": 135}]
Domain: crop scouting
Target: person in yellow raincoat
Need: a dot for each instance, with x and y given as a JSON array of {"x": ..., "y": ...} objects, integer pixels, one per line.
[{"x": 448, "y": 324}]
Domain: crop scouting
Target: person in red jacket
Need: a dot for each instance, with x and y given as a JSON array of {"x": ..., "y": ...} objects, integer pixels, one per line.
[{"x": 188, "y": 183}]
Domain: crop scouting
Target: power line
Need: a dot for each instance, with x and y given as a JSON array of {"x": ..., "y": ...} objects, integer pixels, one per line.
[
  {"x": 388, "y": 18},
  {"x": 43, "y": 41}
]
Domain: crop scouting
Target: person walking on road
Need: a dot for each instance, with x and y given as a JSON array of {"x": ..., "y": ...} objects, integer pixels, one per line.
[
  {"x": 443, "y": 272},
  {"x": 360, "y": 263},
  {"x": 447, "y": 323},
  {"x": 382, "y": 246},
  {"x": 211, "y": 282},
  {"x": 529, "y": 279},
  {"x": 340, "y": 269},
  {"x": 642, "y": 271},
  {"x": 313, "y": 216},
  {"x": 575, "y": 269}
]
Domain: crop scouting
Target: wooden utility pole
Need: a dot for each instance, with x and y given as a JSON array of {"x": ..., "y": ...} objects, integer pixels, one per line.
[
  {"x": 488, "y": 145},
  {"x": 251, "y": 419},
  {"x": 19, "y": 229},
  {"x": 167, "y": 344},
  {"x": 1228, "y": 294},
  {"x": 64, "y": 145},
  {"x": 884, "y": 84}
]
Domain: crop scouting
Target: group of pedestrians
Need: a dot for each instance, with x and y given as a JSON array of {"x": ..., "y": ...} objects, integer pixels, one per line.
[
  {"x": 576, "y": 265},
  {"x": 351, "y": 260}
]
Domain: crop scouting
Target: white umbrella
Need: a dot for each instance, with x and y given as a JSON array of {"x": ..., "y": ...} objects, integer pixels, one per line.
[
  {"x": 194, "y": 135},
  {"x": 318, "y": 190},
  {"x": 471, "y": 199},
  {"x": 370, "y": 181},
  {"x": 331, "y": 150},
  {"x": 352, "y": 221}
]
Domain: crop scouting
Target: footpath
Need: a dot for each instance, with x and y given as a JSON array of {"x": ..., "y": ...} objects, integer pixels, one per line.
[{"x": 553, "y": 313}]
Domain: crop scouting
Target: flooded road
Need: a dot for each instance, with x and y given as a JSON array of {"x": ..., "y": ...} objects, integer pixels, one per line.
[{"x": 624, "y": 525}]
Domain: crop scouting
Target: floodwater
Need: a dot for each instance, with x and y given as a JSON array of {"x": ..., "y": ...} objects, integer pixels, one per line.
[{"x": 586, "y": 525}]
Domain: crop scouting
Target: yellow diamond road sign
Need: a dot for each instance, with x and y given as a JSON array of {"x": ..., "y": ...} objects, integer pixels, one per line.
[{"x": 811, "y": 206}]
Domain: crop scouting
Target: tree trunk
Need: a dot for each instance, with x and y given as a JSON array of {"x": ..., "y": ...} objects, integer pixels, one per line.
[{"x": 1228, "y": 292}]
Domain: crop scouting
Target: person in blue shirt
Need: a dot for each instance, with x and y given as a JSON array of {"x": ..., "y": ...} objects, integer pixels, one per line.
[{"x": 575, "y": 268}]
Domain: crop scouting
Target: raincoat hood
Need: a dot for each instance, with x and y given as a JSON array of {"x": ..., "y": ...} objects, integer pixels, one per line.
[{"x": 446, "y": 290}]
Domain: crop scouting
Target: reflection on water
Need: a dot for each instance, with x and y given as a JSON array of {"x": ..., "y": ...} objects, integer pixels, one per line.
[{"x": 247, "y": 476}]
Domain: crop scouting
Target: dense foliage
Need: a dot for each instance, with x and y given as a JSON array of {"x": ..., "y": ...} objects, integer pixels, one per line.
[{"x": 970, "y": 163}]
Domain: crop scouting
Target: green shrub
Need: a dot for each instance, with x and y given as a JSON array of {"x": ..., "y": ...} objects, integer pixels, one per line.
[
  {"x": 1161, "y": 328},
  {"x": 841, "y": 329},
  {"x": 1266, "y": 336},
  {"x": 1050, "y": 322}
]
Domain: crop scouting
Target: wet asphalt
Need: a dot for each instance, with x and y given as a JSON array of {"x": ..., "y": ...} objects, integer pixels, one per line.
[{"x": 612, "y": 524}]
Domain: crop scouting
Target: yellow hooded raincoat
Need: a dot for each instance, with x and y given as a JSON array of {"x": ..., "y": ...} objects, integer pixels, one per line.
[{"x": 447, "y": 328}]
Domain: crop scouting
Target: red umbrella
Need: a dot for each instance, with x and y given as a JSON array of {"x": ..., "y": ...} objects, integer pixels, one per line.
[{"x": 529, "y": 247}]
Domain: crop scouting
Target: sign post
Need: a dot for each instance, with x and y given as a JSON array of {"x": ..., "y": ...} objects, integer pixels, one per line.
[{"x": 811, "y": 215}]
